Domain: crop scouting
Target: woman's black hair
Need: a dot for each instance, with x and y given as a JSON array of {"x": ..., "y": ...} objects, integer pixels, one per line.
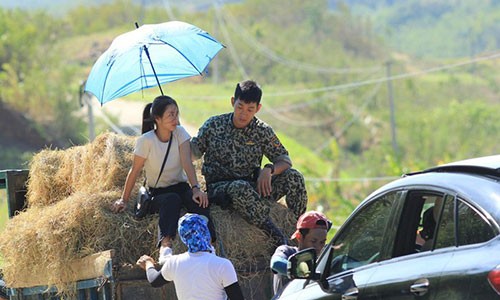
[{"x": 155, "y": 109}]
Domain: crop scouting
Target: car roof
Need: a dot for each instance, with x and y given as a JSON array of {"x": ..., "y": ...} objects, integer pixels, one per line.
[
  {"x": 486, "y": 165},
  {"x": 474, "y": 179}
]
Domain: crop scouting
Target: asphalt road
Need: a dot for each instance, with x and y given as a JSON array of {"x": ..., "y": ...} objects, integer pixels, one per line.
[{"x": 126, "y": 116}]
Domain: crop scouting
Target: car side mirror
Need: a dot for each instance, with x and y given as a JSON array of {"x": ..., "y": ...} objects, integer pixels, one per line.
[{"x": 302, "y": 265}]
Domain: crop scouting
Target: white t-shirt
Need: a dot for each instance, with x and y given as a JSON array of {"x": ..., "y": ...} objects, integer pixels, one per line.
[
  {"x": 153, "y": 150},
  {"x": 199, "y": 276}
]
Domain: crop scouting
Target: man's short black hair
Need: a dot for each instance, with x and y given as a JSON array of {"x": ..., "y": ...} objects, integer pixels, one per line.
[
  {"x": 428, "y": 224},
  {"x": 248, "y": 91}
]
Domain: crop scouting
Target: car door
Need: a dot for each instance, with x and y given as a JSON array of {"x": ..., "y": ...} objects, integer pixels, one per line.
[
  {"x": 466, "y": 231},
  {"x": 348, "y": 262},
  {"x": 414, "y": 274}
]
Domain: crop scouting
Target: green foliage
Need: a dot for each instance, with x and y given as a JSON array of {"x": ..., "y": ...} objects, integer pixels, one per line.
[
  {"x": 4, "y": 214},
  {"x": 32, "y": 77},
  {"x": 267, "y": 38},
  {"x": 118, "y": 14},
  {"x": 339, "y": 138},
  {"x": 437, "y": 28},
  {"x": 14, "y": 158}
]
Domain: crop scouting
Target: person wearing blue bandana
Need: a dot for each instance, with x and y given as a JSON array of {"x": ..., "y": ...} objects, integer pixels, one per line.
[{"x": 215, "y": 276}]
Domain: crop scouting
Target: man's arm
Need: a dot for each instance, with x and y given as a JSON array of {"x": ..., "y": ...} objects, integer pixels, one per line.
[
  {"x": 279, "y": 260},
  {"x": 233, "y": 291},
  {"x": 199, "y": 143},
  {"x": 282, "y": 165},
  {"x": 266, "y": 174},
  {"x": 229, "y": 280},
  {"x": 155, "y": 278},
  {"x": 279, "y": 265},
  {"x": 275, "y": 151}
]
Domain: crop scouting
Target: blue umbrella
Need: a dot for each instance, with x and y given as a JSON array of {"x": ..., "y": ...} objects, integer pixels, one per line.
[{"x": 149, "y": 56}]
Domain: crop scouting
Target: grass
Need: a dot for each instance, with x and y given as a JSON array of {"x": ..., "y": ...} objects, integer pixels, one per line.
[
  {"x": 200, "y": 100},
  {"x": 4, "y": 216}
]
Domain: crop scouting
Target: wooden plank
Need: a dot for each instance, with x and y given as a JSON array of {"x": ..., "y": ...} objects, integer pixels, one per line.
[{"x": 92, "y": 266}]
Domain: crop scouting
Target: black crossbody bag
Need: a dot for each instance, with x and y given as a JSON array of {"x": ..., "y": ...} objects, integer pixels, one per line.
[{"x": 144, "y": 197}]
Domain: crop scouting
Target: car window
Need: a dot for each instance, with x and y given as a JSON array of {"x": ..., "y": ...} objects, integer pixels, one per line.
[
  {"x": 445, "y": 236},
  {"x": 471, "y": 227},
  {"x": 361, "y": 240},
  {"x": 432, "y": 205}
]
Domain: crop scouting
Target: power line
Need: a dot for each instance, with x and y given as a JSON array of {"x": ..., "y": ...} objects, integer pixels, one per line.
[
  {"x": 366, "y": 82},
  {"x": 316, "y": 123},
  {"x": 270, "y": 54},
  {"x": 302, "y": 104},
  {"x": 297, "y": 123},
  {"x": 384, "y": 79},
  {"x": 359, "y": 179},
  {"x": 355, "y": 117},
  {"x": 230, "y": 45},
  {"x": 169, "y": 10}
]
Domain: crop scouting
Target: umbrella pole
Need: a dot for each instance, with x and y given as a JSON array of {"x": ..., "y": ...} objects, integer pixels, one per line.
[
  {"x": 151, "y": 63},
  {"x": 154, "y": 72}
]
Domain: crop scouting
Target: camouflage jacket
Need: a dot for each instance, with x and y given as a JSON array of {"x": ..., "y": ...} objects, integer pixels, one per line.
[{"x": 234, "y": 153}]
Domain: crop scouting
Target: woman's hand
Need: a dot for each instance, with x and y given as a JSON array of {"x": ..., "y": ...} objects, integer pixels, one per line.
[
  {"x": 119, "y": 205},
  {"x": 200, "y": 197}
]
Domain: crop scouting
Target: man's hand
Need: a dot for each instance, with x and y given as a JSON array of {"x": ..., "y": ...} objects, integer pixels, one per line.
[
  {"x": 119, "y": 206},
  {"x": 145, "y": 261},
  {"x": 264, "y": 182}
]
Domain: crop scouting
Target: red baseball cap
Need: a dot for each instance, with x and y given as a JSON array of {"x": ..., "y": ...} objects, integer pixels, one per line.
[{"x": 310, "y": 220}]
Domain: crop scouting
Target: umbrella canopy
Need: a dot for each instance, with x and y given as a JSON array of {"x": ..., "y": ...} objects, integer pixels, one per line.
[{"x": 149, "y": 56}]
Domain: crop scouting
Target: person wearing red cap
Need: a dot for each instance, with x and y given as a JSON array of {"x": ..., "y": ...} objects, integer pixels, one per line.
[{"x": 312, "y": 228}]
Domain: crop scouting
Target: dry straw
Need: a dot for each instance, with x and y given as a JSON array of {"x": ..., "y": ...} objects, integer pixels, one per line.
[{"x": 68, "y": 217}]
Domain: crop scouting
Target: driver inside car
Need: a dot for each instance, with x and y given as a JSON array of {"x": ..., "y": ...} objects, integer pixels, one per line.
[{"x": 425, "y": 236}]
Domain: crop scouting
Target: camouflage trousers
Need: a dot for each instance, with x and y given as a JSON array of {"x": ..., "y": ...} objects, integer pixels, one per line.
[{"x": 245, "y": 199}]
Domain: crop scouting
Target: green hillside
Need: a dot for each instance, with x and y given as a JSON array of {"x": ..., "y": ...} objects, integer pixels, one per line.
[
  {"x": 324, "y": 74},
  {"x": 435, "y": 29}
]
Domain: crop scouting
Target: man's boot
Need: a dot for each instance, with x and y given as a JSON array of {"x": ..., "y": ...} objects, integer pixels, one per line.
[{"x": 274, "y": 232}]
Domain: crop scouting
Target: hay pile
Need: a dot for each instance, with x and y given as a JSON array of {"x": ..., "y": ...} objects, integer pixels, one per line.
[{"x": 68, "y": 217}]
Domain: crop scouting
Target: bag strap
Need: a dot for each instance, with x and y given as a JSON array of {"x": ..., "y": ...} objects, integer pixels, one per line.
[{"x": 164, "y": 159}]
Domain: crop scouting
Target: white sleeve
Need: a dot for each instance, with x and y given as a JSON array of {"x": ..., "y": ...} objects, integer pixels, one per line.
[
  {"x": 165, "y": 255},
  {"x": 166, "y": 269},
  {"x": 182, "y": 134},
  {"x": 228, "y": 275},
  {"x": 142, "y": 147}
]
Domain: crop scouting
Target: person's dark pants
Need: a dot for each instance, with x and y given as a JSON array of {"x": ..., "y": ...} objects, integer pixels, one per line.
[
  {"x": 244, "y": 198},
  {"x": 167, "y": 202}
]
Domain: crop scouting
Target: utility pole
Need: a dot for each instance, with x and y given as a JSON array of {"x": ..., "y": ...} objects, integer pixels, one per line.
[
  {"x": 215, "y": 63},
  {"x": 391, "y": 105},
  {"x": 141, "y": 14},
  {"x": 86, "y": 99}
]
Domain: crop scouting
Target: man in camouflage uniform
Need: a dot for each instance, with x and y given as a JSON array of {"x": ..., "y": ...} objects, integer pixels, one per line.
[{"x": 233, "y": 145}]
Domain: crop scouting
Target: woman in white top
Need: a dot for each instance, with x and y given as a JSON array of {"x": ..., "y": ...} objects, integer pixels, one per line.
[{"x": 171, "y": 192}]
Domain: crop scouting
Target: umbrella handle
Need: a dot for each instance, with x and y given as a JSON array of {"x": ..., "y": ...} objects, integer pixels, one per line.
[{"x": 151, "y": 63}]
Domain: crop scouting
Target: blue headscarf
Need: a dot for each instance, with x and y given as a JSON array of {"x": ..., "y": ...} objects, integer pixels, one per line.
[{"x": 193, "y": 231}]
